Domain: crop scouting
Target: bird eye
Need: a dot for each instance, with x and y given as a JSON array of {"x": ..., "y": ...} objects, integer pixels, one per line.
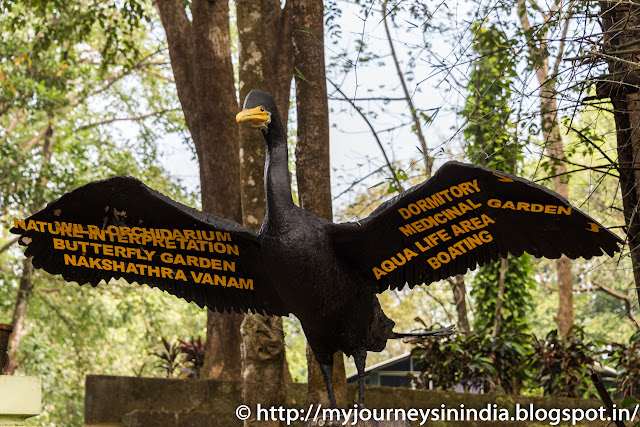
[{"x": 261, "y": 108}]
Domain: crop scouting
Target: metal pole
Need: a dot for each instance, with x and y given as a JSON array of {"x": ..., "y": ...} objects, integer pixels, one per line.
[{"x": 5, "y": 332}]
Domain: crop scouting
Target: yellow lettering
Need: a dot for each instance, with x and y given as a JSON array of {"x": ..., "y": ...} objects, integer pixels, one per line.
[
  {"x": 434, "y": 263},
  {"x": 246, "y": 284},
  {"x": 456, "y": 230},
  {"x": 494, "y": 203},
  {"x": 180, "y": 275},
  {"x": 564, "y": 210},
  {"x": 59, "y": 244}
]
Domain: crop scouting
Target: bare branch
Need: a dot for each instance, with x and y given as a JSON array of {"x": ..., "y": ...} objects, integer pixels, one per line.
[
  {"x": 375, "y": 135},
  {"x": 565, "y": 29},
  {"x": 8, "y": 244},
  {"x": 439, "y": 301},
  {"x": 14, "y": 122},
  {"x": 618, "y": 295},
  {"x": 33, "y": 141},
  {"x": 428, "y": 161},
  {"x": 115, "y": 77},
  {"x": 381, "y": 98},
  {"x": 121, "y": 119}
]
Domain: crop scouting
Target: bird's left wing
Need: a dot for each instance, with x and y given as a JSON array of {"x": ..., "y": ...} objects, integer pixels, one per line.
[
  {"x": 120, "y": 228},
  {"x": 464, "y": 216}
]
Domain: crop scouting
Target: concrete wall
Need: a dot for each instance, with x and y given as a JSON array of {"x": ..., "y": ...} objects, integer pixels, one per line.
[{"x": 150, "y": 402}]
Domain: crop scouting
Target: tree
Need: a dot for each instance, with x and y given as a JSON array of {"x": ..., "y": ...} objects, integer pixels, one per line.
[
  {"x": 501, "y": 289},
  {"x": 263, "y": 352},
  {"x": 46, "y": 78},
  {"x": 538, "y": 40},
  {"x": 312, "y": 152},
  {"x": 54, "y": 139},
  {"x": 200, "y": 52},
  {"x": 621, "y": 85}
]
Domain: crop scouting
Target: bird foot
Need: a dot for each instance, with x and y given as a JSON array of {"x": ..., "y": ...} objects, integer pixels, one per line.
[{"x": 437, "y": 333}]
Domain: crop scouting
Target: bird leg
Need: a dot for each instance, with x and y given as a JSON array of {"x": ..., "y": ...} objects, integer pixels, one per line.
[
  {"x": 326, "y": 367},
  {"x": 438, "y": 332},
  {"x": 360, "y": 358}
]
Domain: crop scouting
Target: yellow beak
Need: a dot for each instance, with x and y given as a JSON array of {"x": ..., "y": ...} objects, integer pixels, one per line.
[{"x": 257, "y": 117}]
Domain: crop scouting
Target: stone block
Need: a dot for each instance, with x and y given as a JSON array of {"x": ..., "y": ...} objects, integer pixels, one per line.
[{"x": 20, "y": 398}]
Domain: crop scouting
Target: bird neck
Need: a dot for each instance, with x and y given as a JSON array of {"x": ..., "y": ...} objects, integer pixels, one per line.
[{"x": 277, "y": 182}]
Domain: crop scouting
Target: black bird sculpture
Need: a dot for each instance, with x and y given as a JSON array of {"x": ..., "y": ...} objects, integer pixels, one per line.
[{"x": 326, "y": 274}]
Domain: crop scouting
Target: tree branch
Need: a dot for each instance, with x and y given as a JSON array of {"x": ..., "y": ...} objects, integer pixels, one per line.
[
  {"x": 565, "y": 29},
  {"x": 14, "y": 122},
  {"x": 375, "y": 135},
  {"x": 618, "y": 295},
  {"x": 121, "y": 119},
  {"x": 8, "y": 244},
  {"x": 179, "y": 33},
  {"x": 33, "y": 141},
  {"x": 439, "y": 301},
  {"x": 428, "y": 161},
  {"x": 524, "y": 17},
  {"x": 115, "y": 77}
]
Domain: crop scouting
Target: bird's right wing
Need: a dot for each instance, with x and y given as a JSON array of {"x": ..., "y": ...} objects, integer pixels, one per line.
[
  {"x": 120, "y": 228},
  {"x": 465, "y": 216}
]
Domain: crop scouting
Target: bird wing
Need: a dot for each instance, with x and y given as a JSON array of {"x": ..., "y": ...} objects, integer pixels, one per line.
[
  {"x": 120, "y": 228},
  {"x": 464, "y": 216}
]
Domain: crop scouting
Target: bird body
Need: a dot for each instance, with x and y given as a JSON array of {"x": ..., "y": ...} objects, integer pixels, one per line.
[{"x": 326, "y": 274}]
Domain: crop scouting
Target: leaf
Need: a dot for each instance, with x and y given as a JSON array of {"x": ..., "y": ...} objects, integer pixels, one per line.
[{"x": 299, "y": 73}]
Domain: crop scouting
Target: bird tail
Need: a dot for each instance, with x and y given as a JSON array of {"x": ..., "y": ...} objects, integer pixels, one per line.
[{"x": 437, "y": 333}]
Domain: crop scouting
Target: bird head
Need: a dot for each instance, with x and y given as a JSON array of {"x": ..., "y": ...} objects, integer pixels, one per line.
[{"x": 258, "y": 109}]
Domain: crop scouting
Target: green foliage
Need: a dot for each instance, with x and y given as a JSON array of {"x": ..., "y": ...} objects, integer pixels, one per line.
[
  {"x": 188, "y": 356},
  {"x": 492, "y": 142},
  {"x": 517, "y": 362},
  {"x": 167, "y": 355},
  {"x": 492, "y": 364},
  {"x": 626, "y": 361},
  {"x": 74, "y": 331},
  {"x": 516, "y": 302},
  {"x": 400, "y": 176},
  {"x": 490, "y": 132},
  {"x": 70, "y": 72},
  {"x": 295, "y": 348},
  {"x": 562, "y": 366},
  {"x": 193, "y": 351}
]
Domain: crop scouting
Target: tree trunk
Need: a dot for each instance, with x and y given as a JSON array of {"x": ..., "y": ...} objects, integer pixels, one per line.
[
  {"x": 20, "y": 314},
  {"x": 263, "y": 351},
  {"x": 25, "y": 290},
  {"x": 555, "y": 149},
  {"x": 553, "y": 143},
  {"x": 460, "y": 301},
  {"x": 502, "y": 278},
  {"x": 312, "y": 152},
  {"x": 620, "y": 24},
  {"x": 200, "y": 54}
]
